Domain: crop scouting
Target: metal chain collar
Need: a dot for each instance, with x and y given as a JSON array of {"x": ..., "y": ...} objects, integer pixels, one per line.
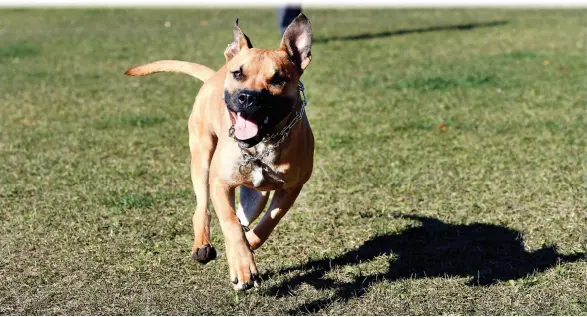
[{"x": 247, "y": 159}]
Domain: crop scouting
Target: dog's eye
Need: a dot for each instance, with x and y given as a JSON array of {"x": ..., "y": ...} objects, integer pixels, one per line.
[
  {"x": 237, "y": 74},
  {"x": 278, "y": 80}
]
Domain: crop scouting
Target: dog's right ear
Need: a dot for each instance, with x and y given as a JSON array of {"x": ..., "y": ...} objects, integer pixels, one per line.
[{"x": 240, "y": 42}]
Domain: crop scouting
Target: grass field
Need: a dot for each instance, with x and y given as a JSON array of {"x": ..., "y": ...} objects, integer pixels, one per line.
[{"x": 450, "y": 156}]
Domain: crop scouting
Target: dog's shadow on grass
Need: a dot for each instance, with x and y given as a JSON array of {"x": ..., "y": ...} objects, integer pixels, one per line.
[
  {"x": 484, "y": 253},
  {"x": 364, "y": 36}
]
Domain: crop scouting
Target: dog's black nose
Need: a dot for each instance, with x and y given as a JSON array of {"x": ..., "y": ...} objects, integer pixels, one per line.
[{"x": 246, "y": 99}]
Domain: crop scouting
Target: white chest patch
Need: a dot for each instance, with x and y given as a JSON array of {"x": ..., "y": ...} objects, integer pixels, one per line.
[
  {"x": 257, "y": 176},
  {"x": 265, "y": 171}
]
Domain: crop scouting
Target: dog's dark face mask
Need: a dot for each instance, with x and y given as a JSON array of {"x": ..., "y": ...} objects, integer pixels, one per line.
[{"x": 255, "y": 113}]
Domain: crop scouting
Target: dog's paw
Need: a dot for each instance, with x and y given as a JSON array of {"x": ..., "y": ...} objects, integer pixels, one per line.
[
  {"x": 255, "y": 281},
  {"x": 243, "y": 271},
  {"x": 204, "y": 254}
]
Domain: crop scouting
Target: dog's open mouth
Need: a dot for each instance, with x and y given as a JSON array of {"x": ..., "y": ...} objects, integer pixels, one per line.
[{"x": 245, "y": 126}]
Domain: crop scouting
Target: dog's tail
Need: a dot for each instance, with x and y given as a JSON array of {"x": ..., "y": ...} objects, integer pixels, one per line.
[{"x": 201, "y": 72}]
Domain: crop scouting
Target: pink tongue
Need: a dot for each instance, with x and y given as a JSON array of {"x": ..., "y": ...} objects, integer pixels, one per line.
[{"x": 244, "y": 129}]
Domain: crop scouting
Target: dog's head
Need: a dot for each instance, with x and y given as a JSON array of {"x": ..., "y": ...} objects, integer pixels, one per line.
[{"x": 261, "y": 86}]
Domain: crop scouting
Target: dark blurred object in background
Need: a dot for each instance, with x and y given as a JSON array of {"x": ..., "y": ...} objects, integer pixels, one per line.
[{"x": 286, "y": 14}]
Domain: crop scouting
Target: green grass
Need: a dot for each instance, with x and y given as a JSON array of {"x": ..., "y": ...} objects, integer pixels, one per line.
[
  {"x": 131, "y": 121},
  {"x": 444, "y": 82},
  {"x": 450, "y": 157},
  {"x": 18, "y": 49}
]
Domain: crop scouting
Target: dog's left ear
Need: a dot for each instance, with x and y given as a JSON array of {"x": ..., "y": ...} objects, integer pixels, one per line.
[
  {"x": 297, "y": 41},
  {"x": 240, "y": 42}
]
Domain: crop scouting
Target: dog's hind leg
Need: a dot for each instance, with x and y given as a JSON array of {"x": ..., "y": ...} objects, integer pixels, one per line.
[
  {"x": 250, "y": 205},
  {"x": 202, "y": 146},
  {"x": 280, "y": 204}
]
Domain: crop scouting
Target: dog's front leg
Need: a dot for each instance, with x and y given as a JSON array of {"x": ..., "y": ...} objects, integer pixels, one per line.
[
  {"x": 241, "y": 265},
  {"x": 280, "y": 204}
]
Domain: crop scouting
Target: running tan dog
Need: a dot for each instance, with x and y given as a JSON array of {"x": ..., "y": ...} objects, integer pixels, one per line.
[{"x": 247, "y": 129}]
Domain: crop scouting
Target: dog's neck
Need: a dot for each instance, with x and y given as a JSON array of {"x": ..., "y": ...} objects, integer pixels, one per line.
[
  {"x": 297, "y": 107},
  {"x": 279, "y": 127}
]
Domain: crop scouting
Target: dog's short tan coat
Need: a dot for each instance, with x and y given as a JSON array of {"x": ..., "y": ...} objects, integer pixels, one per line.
[{"x": 215, "y": 155}]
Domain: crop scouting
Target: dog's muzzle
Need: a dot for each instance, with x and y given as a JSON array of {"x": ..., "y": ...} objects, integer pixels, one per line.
[{"x": 254, "y": 114}]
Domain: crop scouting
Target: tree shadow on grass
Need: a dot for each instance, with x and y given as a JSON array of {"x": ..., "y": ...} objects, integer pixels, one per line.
[
  {"x": 364, "y": 36},
  {"x": 484, "y": 253}
]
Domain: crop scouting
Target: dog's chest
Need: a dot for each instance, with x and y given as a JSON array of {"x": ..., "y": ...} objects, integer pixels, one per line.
[{"x": 267, "y": 172}]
